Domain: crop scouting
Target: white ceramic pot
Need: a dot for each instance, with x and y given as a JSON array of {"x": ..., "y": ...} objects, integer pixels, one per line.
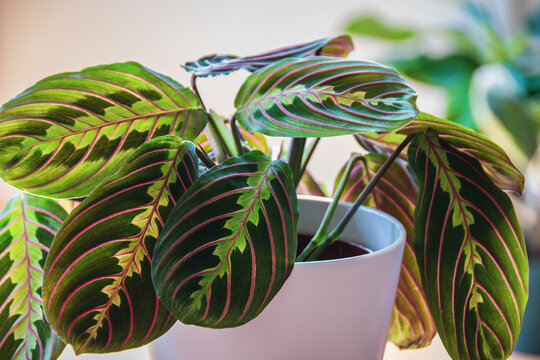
[{"x": 336, "y": 309}]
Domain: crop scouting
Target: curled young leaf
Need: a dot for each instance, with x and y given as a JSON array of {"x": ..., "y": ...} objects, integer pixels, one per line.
[
  {"x": 98, "y": 291},
  {"x": 229, "y": 244},
  {"x": 338, "y": 46},
  {"x": 27, "y": 227},
  {"x": 470, "y": 252},
  {"x": 68, "y": 132}
]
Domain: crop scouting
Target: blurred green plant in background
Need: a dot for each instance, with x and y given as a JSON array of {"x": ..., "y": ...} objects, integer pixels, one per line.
[
  {"x": 481, "y": 63},
  {"x": 490, "y": 74}
]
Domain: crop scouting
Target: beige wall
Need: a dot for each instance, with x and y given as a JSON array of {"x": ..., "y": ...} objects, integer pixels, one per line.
[{"x": 39, "y": 38}]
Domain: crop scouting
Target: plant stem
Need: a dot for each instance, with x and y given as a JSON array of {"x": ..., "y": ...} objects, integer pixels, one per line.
[
  {"x": 296, "y": 152},
  {"x": 236, "y": 136},
  {"x": 338, "y": 230},
  {"x": 320, "y": 236},
  {"x": 201, "y": 154},
  {"x": 310, "y": 148},
  {"x": 196, "y": 90}
]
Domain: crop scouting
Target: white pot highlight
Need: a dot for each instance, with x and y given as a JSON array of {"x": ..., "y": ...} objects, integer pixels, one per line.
[{"x": 335, "y": 309}]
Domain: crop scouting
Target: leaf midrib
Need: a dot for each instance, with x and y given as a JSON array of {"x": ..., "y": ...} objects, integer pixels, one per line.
[
  {"x": 468, "y": 242},
  {"x": 233, "y": 242},
  {"x": 140, "y": 240},
  {"x": 109, "y": 123}
]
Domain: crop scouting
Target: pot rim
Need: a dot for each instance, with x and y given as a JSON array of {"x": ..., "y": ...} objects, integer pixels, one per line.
[{"x": 399, "y": 242}]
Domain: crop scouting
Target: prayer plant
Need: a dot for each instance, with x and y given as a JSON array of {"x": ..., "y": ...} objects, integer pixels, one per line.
[{"x": 180, "y": 213}]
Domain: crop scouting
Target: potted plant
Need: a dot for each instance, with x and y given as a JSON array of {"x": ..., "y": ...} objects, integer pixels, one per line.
[{"x": 167, "y": 229}]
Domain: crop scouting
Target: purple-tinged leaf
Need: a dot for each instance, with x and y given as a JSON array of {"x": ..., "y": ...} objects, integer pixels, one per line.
[
  {"x": 68, "y": 132},
  {"x": 470, "y": 252},
  {"x": 309, "y": 186},
  {"x": 229, "y": 244},
  {"x": 337, "y": 46},
  {"x": 27, "y": 227},
  {"x": 98, "y": 291},
  {"x": 395, "y": 194},
  {"x": 324, "y": 96}
]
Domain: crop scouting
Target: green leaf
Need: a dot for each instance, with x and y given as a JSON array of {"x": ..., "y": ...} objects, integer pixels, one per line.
[
  {"x": 229, "y": 244},
  {"x": 309, "y": 186},
  {"x": 251, "y": 141},
  {"x": 220, "y": 138},
  {"x": 255, "y": 141},
  {"x": 324, "y": 96},
  {"x": 338, "y": 46},
  {"x": 68, "y": 132},
  {"x": 395, "y": 194},
  {"x": 492, "y": 157},
  {"x": 470, "y": 252},
  {"x": 370, "y": 25},
  {"x": 27, "y": 227},
  {"x": 98, "y": 291}
]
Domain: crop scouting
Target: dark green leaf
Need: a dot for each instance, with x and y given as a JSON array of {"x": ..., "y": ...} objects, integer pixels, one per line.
[
  {"x": 470, "y": 252},
  {"x": 229, "y": 244},
  {"x": 98, "y": 291},
  {"x": 27, "y": 227},
  {"x": 68, "y": 132}
]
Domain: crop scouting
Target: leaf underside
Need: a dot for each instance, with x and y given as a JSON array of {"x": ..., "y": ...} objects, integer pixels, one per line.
[
  {"x": 213, "y": 65},
  {"x": 324, "y": 96},
  {"x": 27, "y": 227},
  {"x": 98, "y": 291},
  {"x": 470, "y": 252},
  {"x": 395, "y": 194},
  {"x": 65, "y": 134},
  {"x": 229, "y": 244}
]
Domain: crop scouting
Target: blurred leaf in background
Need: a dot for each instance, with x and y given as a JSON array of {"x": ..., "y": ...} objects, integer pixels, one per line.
[{"x": 490, "y": 74}]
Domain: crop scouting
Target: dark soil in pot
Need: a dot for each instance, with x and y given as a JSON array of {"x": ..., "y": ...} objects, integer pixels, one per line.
[{"x": 338, "y": 250}]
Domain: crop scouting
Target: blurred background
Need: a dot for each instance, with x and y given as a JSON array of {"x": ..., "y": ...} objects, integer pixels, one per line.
[{"x": 475, "y": 62}]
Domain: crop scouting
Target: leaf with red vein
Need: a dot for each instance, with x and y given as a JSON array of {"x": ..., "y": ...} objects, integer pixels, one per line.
[
  {"x": 324, "y": 96},
  {"x": 395, "y": 194},
  {"x": 229, "y": 244},
  {"x": 98, "y": 291},
  {"x": 27, "y": 227},
  {"x": 470, "y": 252},
  {"x": 338, "y": 46},
  {"x": 493, "y": 158},
  {"x": 68, "y": 132}
]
